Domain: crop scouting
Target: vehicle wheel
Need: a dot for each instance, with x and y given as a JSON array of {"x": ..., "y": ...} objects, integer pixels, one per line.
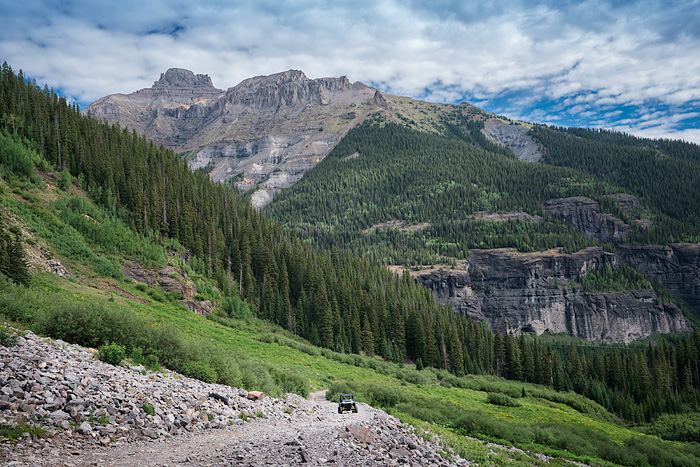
[
  {"x": 354, "y": 409},
  {"x": 340, "y": 410}
]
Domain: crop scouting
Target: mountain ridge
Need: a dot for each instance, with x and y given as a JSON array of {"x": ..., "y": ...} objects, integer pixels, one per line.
[{"x": 266, "y": 131}]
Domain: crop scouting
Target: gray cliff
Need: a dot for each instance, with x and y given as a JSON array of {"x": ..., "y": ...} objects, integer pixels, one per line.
[{"x": 537, "y": 293}]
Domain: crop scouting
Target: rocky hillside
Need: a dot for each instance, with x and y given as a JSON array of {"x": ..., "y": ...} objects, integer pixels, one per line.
[
  {"x": 77, "y": 410},
  {"x": 267, "y": 130}
]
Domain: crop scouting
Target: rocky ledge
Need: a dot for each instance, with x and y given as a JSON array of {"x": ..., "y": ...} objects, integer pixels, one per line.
[
  {"x": 93, "y": 413},
  {"x": 538, "y": 292}
]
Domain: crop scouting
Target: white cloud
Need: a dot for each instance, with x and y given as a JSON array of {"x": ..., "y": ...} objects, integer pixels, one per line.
[{"x": 594, "y": 54}]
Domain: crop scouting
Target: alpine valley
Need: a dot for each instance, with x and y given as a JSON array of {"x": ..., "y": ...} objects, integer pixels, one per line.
[
  {"x": 502, "y": 220},
  {"x": 515, "y": 294}
]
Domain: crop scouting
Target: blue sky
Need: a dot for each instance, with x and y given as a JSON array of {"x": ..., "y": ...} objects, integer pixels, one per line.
[{"x": 632, "y": 66}]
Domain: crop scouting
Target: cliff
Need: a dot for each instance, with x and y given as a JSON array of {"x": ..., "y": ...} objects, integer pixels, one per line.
[
  {"x": 584, "y": 214},
  {"x": 536, "y": 293}
]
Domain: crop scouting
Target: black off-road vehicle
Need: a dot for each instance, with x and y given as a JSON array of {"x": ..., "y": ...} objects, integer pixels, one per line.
[{"x": 347, "y": 404}]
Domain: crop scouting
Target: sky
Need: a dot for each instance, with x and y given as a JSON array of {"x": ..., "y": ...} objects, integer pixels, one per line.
[{"x": 631, "y": 66}]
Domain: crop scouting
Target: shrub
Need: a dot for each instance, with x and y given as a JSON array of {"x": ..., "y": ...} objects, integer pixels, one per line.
[
  {"x": 157, "y": 295},
  {"x": 15, "y": 156},
  {"x": 677, "y": 427},
  {"x": 137, "y": 355},
  {"x": 479, "y": 423},
  {"x": 504, "y": 400},
  {"x": 151, "y": 363},
  {"x": 336, "y": 389},
  {"x": 90, "y": 322},
  {"x": 200, "y": 371},
  {"x": 148, "y": 407},
  {"x": 112, "y": 353},
  {"x": 7, "y": 337},
  {"x": 17, "y": 431},
  {"x": 289, "y": 381}
]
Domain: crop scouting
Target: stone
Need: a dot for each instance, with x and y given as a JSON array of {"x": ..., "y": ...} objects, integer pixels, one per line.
[
  {"x": 361, "y": 433},
  {"x": 59, "y": 415},
  {"x": 255, "y": 395},
  {"x": 85, "y": 428}
]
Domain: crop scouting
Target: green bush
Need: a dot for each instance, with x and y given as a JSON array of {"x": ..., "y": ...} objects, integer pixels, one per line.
[
  {"x": 15, "y": 156},
  {"x": 91, "y": 322},
  {"x": 289, "y": 381},
  {"x": 677, "y": 427},
  {"x": 157, "y": 295},
  {"x": 482, "y": 424},
  {"x": 7, "y": 337},
  {"x": 137, "y": 355},
  {"x": 200, "y": 371},
  {"x": 151, "y": 363},
  {"x": 18, "y": 430},
  {"x": 148, "y": 407},
  {"x": 112, "y": 353},
  {"x": 504, "y": 400},
  {"x": 336, "y": 389}
]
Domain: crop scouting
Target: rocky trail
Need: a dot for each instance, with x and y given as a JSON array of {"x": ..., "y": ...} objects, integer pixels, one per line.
[{"x": 95, "y": 414}]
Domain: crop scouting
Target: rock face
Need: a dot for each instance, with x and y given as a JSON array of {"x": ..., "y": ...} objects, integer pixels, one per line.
[
  {"x": 534, "y": 293},
  {"x": 676, "y": 267},
  {"x": 584, "y": 213},
  {"x": 184, "y": 79},
  {"x": 270, "y": 128},
  {"x": 168, "y": 278},
  {"x": 513, "y": 136}
]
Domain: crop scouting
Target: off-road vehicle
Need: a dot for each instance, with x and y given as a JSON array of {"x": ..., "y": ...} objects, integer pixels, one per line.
[{"x": 347, "y": 404}]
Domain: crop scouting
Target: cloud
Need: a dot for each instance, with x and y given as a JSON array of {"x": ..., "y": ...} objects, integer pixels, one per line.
[{"x": 547, "y": 58}]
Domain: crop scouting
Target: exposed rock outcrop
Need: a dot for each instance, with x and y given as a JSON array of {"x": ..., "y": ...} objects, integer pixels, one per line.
[
  {"x": 283, "y": 121},
  {"x": 536, "y": 292},
  {"x": 584, "y": 214},
  {"x": 180, "y": 78},
  {"x": 288, "y": 89},
  {"x": 513, "y": 136},
  {"x": 676, "y": 267},
  {"x": 203, "y": 307},
  {"x": 169, "y": 279}
]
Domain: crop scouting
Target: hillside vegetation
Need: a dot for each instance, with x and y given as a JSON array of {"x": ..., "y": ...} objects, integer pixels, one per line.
[
  {"x": 664, "y": 174},
  {"x": 416, "y": 177},
  {"x": 64, "y": 194},
  {"x": 443, "y": 186}
]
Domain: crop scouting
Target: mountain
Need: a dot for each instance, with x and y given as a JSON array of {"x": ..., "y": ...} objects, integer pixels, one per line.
[
  {"x": 413, "y": 184},
  {"x": 491, "y": 236},
  {"x": 266, "y": 131}
]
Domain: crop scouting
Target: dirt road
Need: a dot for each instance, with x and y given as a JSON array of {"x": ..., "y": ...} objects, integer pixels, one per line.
[{"x": 307, "y": 436}]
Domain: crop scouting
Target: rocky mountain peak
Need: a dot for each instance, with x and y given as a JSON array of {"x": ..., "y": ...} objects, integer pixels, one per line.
[
  {"x": 286, "y": 89},
  {"x": 181, "y": 78}
]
